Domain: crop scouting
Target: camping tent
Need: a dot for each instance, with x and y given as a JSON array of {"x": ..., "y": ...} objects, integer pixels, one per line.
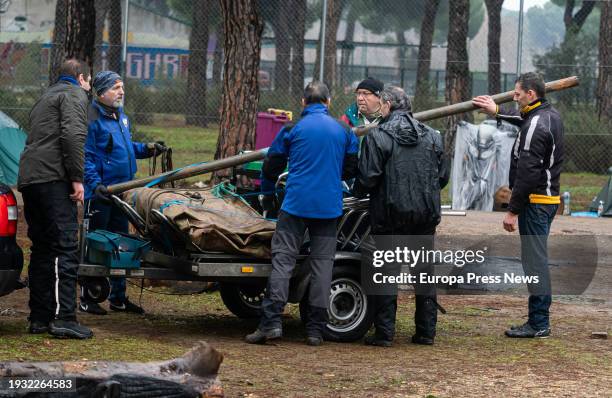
[
  {"x": 605, "y": 196},
  {"x": 12, "y": 142}
]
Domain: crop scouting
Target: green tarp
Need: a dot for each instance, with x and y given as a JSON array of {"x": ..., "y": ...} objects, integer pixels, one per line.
[
  {"x": 605, "y": 197},
  {"x": 12, "y": 142}
]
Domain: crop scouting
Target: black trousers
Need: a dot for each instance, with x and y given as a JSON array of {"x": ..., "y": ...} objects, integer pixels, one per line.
[
  {"x": 425, "y": 315},
  {"x": 286, "y": 244},
  {"x": 53, "y": 229}
]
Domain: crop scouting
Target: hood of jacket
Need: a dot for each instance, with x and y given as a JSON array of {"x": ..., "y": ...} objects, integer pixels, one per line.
[{"x": 401, "y": 128}]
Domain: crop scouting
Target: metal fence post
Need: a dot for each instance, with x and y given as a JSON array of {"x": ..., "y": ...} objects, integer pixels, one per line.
[
  {"x": 323, "y": 26},
  {"x": 126, "y": 19}
]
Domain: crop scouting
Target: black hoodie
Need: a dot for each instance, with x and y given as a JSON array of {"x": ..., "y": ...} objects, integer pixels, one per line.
[{"x": 402, "y": 166}]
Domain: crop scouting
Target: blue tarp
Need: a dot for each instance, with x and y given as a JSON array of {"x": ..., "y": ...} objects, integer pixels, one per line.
[{"x": 12, "y": 142}]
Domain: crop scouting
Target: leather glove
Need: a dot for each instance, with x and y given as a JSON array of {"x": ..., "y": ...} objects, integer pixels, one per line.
[
  {"x": 155, "y": 148},
  {"x": 102, "y": 194}
]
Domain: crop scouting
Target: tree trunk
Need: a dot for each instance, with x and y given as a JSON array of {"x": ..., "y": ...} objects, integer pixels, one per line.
[
  {"x": 198, "y": 62},
  {"x": 334, "y": 12},
  {"x": 283, "y": 50},
  {"x": 493, "y": 43},
  {"x": 243, "y": 27},
  {"x": 424, "y": 58},
  {"x": 102, "y": 7},
  {"x": 457, "y": 66},
  {"x": 114, "y": 38},
  {"x": 573, "y": 22},
  {"x": 402, "y": 53},
  {"x": 298, "y": 31},
  {"x": 604, "y": 82},
  {"x": 192, "y": 375},
  {"x": 348, "y": 46},
  {"x": 74, "y": 34}
]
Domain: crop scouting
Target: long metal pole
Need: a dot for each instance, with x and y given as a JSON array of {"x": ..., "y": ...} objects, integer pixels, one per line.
[
  {"x": 322, "y": 52},
  {"x": 126, "y": 19},
  {"x": 519, "y": 43}
]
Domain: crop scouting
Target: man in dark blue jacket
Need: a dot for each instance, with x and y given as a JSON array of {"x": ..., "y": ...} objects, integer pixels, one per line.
[
  {"x": 323, "y": 152},
  {"x": 110, "y": 158}
]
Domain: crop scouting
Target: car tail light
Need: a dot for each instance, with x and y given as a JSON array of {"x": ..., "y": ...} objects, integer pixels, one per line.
[{"x": 8, "y": 214}]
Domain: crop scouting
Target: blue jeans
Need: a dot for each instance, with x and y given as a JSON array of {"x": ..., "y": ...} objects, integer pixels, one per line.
[
  {"x": 534, "y": 227},
  {"x": 109, "y": 218}
]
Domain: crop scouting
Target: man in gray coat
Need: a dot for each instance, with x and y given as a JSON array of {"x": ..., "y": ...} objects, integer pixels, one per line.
[{"x": 51, "y": 181}]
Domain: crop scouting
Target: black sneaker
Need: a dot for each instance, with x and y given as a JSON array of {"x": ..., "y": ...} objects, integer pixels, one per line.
[
  {"x": 422, "y": 340},
  {"x": 261, "y": 336},
  {"x": 91, "y": 308},
  {"x": 314, "y": 341},
  {"x": 69, "y": 330},
  {"x": 126, "y": 306},
  {"x": 373, "y": 340},
  {"x": 515, "y": 327},
  {"x": 526, "y": 331},
  {"x": 38, "y": 327}
]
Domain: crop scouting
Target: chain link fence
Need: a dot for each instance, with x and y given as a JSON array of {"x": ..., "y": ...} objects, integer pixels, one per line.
[{"x": 153, "y": 42}]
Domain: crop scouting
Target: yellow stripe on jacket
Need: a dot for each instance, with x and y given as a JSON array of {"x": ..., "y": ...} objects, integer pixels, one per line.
[{"x": 544, "y": 199}]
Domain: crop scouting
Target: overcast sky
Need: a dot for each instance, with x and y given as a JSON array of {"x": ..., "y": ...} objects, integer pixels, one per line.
[{"x": 515, "y": 4}]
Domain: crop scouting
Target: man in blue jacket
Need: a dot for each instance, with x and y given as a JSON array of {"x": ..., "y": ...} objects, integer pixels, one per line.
[
  {"x": 110, "y": 158},
  {"x": 323, "y": 152}
]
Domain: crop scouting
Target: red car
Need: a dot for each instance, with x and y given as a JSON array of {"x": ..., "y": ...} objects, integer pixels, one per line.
[{"x": 11, "y": 256}]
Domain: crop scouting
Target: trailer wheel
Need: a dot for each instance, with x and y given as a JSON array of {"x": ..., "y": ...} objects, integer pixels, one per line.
[
  {"x": 350, "y": 313},
  {"x": 244, "y": 301},
  {"x": 95, "y": 290}
]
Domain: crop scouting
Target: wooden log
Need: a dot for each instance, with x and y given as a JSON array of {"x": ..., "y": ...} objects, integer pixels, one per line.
[
  {"x": 192, "y": 375},
  {"x": 467, "y": 106},
  {"x": 236, "y": 160}
]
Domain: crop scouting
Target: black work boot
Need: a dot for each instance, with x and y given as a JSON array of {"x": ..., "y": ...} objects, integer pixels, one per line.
[
  {"x": 38, "y": 327},
  {"x": 422, "y": 340},
  {"x": 315, "y": 324},
  {"x": 425, "y": 320},
  {"x": 377, "y": 341},
  {"x": 314, "y": 341},
  {"x": 69, "y": 330},
  {"x": 262, "y": 336}
]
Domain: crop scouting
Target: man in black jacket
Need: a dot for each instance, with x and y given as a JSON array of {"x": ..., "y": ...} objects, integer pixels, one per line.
[
  {"x": 51, "y": 181},
  {"x": 402, "y": 167},
  {"x": 535, "y": 168}
]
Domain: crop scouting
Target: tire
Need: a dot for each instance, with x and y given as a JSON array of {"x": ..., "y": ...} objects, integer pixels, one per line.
[
  {"x": 244, "y": 301},
  {"x": 349, "y": 312},
  {"x": 96, "y": 290}
]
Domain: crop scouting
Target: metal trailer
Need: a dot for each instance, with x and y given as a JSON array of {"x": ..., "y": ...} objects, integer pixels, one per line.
[{"x": 242, "y": 280}]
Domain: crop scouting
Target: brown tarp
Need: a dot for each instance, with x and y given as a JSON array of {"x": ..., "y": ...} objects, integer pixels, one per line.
[{"x": 225, "y": 224}]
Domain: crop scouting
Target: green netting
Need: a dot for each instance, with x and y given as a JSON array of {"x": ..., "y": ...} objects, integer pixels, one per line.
[{"x": 12, "y": 142}]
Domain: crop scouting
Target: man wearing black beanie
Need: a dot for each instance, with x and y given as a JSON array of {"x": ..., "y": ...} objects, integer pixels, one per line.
[{"x": 366, "y": 109}]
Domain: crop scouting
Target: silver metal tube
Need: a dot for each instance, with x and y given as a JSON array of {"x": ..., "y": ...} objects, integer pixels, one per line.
[
  {"x": 126, "y": 19},
  {"x": 322, "y": 54},
  {"x": 519, "y": 43}
]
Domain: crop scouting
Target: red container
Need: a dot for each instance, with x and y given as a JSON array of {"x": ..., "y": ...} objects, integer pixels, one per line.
[{"x": 268, "y": 125}]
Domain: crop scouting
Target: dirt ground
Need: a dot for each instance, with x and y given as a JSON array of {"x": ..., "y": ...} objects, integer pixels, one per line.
[{"x": 471, "y": 356}]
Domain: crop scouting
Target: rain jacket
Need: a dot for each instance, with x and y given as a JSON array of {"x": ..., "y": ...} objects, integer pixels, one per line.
[
  {"x": 321, "y": 153},
  {"x": 402, "y": 166},
  {"x": 58, "y": 126},
  {"x": 110, "y": 154}
]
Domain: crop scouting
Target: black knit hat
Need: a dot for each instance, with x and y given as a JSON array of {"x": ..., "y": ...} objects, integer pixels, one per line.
[{"x": 373, "y": 85}]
